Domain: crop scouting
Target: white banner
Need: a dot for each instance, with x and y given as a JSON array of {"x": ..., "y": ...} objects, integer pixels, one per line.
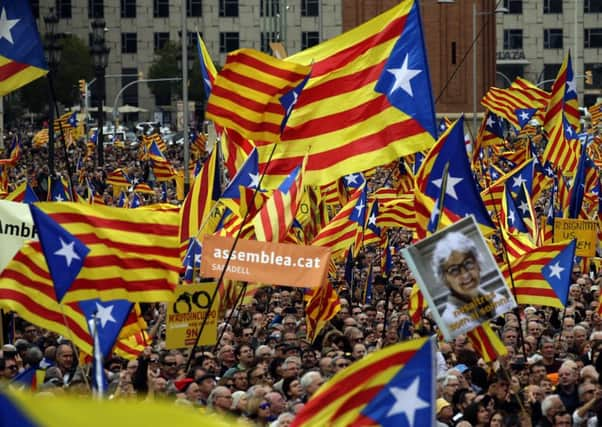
[{"x": 16, "y": 227}]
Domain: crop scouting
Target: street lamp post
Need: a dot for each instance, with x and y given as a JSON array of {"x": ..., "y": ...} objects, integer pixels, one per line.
[
  {"x": 100, "y": 57},
  {"x": 185, "y": 61},
  {"x": 52, "y": 50}
]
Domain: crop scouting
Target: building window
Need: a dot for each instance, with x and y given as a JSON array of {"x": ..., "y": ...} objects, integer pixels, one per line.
[
  {"x": 63, "y": 8},
  {"x": 514, "y": 6},
  {"x": 161, "y": 8},
  {"x": 592, "y": 6},
  {"x": 129, "y": 43},
  {"x": 228, "y": 8},
  {"x": 592, "y": 37},
  {"x": 130, "y": 95},
  {"x": 96, "y": 9},
  {"x": 128, "y": 8},
  {"x": 310, "y": 7},
  {"x": 269, "y": 7},
  {"x": 228, "y": 42},
  {"x": 194, "y": 8},
  {"x": 35, "y": 8},
  {"x": 309, "y": 39},
  {"x": 513, "y": 39},
  {"x": 160, "y": 40},
  {"x": 266, "y": 38},
  {"x": 552, "y": 6},
  {"x": 552, "y": 38}
]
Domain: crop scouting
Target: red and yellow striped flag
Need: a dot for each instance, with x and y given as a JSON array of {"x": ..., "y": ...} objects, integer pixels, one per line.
[
  {"x": 323, "y": 304},
  {"x": 246, "y": 94},
  {"x": 486, "y": 342}
]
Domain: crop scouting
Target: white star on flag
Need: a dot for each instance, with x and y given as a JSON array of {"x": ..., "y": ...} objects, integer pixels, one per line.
[
  {"x": 571, "y": 86},
  {"x": 518, "y": 181},
  {"x": 524, "y": 115},
  {"x": 58, "y": 198},
  {"x": 524, "y": 207},
  {"x": 6, "y": 25},
  {"x": 403, "y": 77},
  {"x": 556, "y": 269},
  {"x": 372, "y": 219},
  {"x": 104, "y": 314},
  {"x": 451, "y": 184},
  {"x": 407, "y": 401},
  {"x": 197, "y": 259},
  {"x": 490, "y": 122},
  {"x": 511, "y": 218},
  {"x": 254, "y": 180},
  {"x": 67, "y": 250},
  {"x": 351, "y": 178},
  {"x": 360, "y": 208}
]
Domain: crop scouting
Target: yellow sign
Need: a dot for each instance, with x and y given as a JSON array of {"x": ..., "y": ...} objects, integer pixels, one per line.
[
  {"x": 584, "y": 230},
  {"x": 185, "y": 315}
]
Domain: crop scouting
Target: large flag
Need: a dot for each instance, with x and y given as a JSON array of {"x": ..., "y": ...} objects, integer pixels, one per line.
[
  {"x": 368, "y": 101},
  {"x": 246, "y": 93},
  {"x": 486, "y": 342},
  {"x": 64, "y": 253},
  {"x": 109, "y": 316},
  {"x": 21, "y": 52},
  {"x": 133, "y": 255},
  {"x": 461, "y": 195},
  {"x": 393, "y": 386},
  {"x": 323, "y": 304},
  {"x": 201, "y": 198},
  {"x": 543, "y": 275}
]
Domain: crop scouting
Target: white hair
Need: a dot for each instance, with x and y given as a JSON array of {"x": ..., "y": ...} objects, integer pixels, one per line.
[{"x": 454, "y": 241}]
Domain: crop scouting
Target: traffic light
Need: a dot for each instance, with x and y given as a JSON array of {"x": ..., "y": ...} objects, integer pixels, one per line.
[
  {"x": 82, "y": 87},
  {"x": 589, "y": 78}
]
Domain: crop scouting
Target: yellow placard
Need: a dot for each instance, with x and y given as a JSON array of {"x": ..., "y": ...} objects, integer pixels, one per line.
[
  {"x": 584, "y": 230},
  {"x": 185, "y": 315}
]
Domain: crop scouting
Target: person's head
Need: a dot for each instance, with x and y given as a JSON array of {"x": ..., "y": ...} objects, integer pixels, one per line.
[
  {"x": 220, "y": 399},
  {"x": 562, "y": 419},
  {"x": 567, "y": 377},
  {"x": 292, "y": 388},
  {"x": 276, "y": 401},
  {"x": 551, "y": 405},
  {"x": 586, "y": 391},
  {"x": 450, "y": 385},
  {"x": 478, "y": 412},
  {"x": 457, "y": 263},
  {"x": 65, "y": 356},
  {"x": 311, "y": 382},
  {"x": 497, "y": 419},
  {"x": 8, "y": 368}
]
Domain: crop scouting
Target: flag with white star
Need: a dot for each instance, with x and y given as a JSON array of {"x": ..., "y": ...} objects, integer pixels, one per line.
[
  {"x": 192, "y": 259},
  {"x": 405, "y": 79},
  {"x": 524, "y": 115},
  {"x": 248, "y": 176},
  {"x": 354, "y": 180},
  {"x": 394, "y": 386},
  {"x": 21, "y": 51},
  {"x": 289, "y": 100},
  {"x": 64, "y": 253},
  {"x": 208, "y": 70},
  {"x": 57, "y": 191},
  {"x": 511, "y": 219},
  {"x": 461, "y": 195},
  {"x": 110, "y": 317},
  {"x": 542, "y": 276}
]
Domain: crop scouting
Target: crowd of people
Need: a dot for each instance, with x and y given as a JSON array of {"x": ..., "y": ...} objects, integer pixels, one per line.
[{"x": 263, "y": 370}]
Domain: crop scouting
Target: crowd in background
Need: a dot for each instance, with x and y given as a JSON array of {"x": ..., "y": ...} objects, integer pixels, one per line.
[{"x": 263, "y": 369}]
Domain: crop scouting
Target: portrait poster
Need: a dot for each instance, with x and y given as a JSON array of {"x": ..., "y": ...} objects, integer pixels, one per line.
[{"x": 459, "y": 278}]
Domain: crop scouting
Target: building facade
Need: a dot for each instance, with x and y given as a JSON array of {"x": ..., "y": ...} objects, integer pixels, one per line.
[
  {"x": 534, "y": 36},
  {"x": 138, "y": 29}
]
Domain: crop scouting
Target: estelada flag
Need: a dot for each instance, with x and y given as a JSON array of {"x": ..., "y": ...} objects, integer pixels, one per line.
[{"x": 21, "y": 53}]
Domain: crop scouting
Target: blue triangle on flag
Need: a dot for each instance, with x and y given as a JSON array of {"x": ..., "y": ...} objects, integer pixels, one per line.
[
  {"x": 408, "y": 399},
  {"x": 64, "y": 253},
  {"x": 558, "y": 271}
]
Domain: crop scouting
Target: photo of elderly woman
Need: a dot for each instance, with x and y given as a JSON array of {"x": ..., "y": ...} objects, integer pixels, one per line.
[{"x": 459, "y": 278}]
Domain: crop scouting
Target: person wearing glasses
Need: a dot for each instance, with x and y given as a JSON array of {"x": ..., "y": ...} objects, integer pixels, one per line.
[{"x": 457, "y": 263}]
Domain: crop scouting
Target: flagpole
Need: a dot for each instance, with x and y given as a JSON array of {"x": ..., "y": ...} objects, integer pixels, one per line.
[
  {"x": 220, "y": 280},
  {"x": 239, "y": 298}
]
